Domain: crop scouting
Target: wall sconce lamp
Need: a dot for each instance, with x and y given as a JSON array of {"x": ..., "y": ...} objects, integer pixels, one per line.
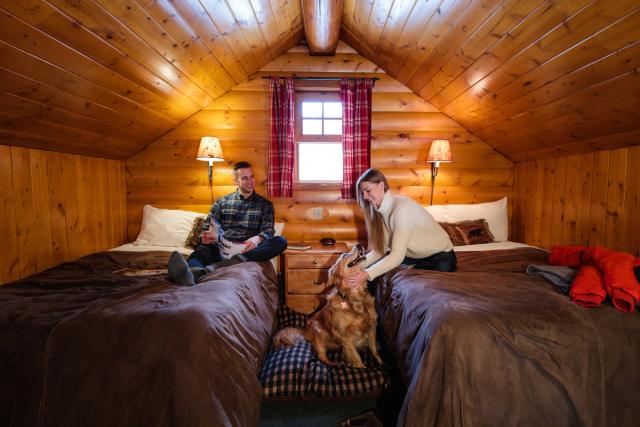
[
  {"x": 440, "y": 151},
  {"x": 210, "y": 151}
]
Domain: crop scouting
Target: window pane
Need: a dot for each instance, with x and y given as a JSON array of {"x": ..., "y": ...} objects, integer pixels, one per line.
[
  {"x": 312, "y": 109},
  {"x": 312, "y": 127},
  {"x": 333, "y": 110},
  {"x": 319, "y": 162},
  {"x": 333, "y": 127}
]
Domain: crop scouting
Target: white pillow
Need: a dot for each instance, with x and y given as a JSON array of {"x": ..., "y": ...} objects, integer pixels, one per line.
[
  {"x": 165, "y": 227},
  {"x": 494, "y": 212},
  {"x": 169, "y": 227}
]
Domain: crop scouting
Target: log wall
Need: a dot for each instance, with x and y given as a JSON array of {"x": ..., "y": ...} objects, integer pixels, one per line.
[
  {"x": 56, "y": 207},
  {"x": 167, "y": 175},
  {"x": 583, "y": 199}
]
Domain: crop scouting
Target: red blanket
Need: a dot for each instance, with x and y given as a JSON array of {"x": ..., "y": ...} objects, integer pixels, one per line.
[
  {"x": 615, "y": 275},
  {"x": 570, "y": 256},
  {"x": 588, "y": 288}
]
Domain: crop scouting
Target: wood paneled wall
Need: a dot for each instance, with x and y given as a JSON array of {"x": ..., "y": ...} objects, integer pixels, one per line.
[
  {"x": 166, "y": 174},
  {"x": 584, "y": 199},
  {"x": 57, "y": 207}
]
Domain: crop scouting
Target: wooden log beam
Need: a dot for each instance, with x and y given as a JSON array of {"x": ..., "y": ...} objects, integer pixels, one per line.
[{"x": 322, "y": 25}]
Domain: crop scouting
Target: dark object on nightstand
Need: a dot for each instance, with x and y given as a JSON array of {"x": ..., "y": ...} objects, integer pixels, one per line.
[{"x": 328, "y": 241}]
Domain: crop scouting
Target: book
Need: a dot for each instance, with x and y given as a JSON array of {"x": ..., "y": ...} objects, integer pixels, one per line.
[{"x": 299, "y": 247}]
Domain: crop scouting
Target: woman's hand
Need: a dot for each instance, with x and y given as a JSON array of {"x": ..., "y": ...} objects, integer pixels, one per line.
[{"x": 356, "y": 278}]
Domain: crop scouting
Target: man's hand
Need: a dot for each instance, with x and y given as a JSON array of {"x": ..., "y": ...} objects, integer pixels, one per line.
[
  {"x": 210, "y": 236},
  {"x": 356, "y": 278},
  {"x": 252, "y": 242}
]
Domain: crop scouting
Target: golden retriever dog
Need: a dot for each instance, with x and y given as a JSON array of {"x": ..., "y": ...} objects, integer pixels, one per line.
[{"x": 347, "y": 319}]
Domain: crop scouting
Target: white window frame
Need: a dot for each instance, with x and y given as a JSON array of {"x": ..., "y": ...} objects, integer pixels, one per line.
[{"x": 300, "y": 138}]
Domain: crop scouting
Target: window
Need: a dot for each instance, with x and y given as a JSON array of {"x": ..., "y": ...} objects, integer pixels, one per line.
[{"x": 318, "y": 137}]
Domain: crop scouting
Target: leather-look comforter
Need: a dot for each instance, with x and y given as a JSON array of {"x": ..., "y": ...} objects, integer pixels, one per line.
[
  {"x": 81, "y": 345},
  {"x": 491, "y": 346}
]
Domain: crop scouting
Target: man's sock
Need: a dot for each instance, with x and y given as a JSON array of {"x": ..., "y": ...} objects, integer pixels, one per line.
[
  {"x": 197, "y": 272},
  {"x": 179, "y": 272}
]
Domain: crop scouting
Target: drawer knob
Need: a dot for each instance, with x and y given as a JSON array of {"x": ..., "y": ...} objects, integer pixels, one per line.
[
  {"x": 315, "y": 261},
  {"x": 316, "y": 282}
]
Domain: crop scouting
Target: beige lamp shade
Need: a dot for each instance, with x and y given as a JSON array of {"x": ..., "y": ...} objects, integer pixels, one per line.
[
  {"x": 210, "y": 149},
  {"x": 440, "y": 151}
]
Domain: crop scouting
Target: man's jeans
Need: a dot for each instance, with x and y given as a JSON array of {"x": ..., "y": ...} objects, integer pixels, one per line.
[{"x": 204, "y": 255}]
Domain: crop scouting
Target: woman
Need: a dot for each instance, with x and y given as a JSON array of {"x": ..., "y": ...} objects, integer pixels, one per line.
[{"x": 399, "y": 230}]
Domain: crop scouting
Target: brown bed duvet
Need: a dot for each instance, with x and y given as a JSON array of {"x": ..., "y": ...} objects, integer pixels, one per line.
[
  {"x": 81, "y": 345},
  {"x": 490, "y": 346}
]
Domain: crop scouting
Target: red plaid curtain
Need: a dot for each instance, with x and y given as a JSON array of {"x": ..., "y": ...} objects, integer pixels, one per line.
[
  {"x": 356, "y": 131},
  {"x": 282, "y": 139}
]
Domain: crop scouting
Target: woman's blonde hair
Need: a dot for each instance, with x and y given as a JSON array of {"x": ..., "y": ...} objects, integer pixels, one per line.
[{"x": 372, "y": 219}]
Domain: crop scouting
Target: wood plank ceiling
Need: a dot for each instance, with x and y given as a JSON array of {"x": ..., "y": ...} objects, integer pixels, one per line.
[
  {"x": 108, "y": 77},
  {"x": 533, "y": 78}
]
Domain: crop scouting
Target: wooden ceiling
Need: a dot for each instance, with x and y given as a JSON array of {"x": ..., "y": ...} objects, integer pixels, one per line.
[
  {"x": 108, "y": 77},
  {"x": 531, "y": 78}
]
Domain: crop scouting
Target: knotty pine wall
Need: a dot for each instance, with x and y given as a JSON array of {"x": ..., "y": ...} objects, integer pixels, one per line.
[
  {"x": 57, "y": 207},
  {"x": 166, "y": 174},
  {"x": 581, "y": 199}
]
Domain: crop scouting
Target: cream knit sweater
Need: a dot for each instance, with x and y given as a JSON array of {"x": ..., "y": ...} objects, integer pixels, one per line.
[{"x": 410, "y": 231}]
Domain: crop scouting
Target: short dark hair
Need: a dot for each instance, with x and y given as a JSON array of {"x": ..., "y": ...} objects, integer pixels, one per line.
[{"x": 241, "y": 165}]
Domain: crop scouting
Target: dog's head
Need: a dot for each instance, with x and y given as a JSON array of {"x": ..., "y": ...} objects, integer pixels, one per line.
[{"x": 349, "y": 261}]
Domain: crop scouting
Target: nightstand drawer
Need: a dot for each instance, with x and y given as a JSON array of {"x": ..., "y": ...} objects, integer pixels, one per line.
[
  {"x": 305, "y": 281},
  {"x": 311, "y": 260},
  {"x": 304, "y": 303}
]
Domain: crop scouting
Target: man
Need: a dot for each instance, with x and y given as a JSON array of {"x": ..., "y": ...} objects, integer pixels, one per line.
[{"x": 243, "y": 217}]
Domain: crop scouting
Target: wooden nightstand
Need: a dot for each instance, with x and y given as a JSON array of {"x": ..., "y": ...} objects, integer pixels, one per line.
[{"x": 305, "y": 274}]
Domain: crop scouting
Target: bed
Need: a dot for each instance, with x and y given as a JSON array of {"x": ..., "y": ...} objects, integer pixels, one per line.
[
  {"x": 489, "y": 345},
  {"x": 108, "y": 340}
]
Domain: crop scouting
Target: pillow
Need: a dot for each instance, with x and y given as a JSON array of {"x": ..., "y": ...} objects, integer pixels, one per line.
[
  {"x": 279, "y": 227},
  {"x": 495, "y": 213},
  {"x": 193, "y": 239},
  {"x": 165, "y": 227},
  {"x": 296, "y": 372},
  {"x": 468, "y": 232}
]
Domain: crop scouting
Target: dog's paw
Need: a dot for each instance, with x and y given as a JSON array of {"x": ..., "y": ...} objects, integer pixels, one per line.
[{"x": 356, "y": 364}]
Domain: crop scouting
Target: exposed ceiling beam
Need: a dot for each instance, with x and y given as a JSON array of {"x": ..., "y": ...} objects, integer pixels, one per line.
[{"x": 322, "y": 20}]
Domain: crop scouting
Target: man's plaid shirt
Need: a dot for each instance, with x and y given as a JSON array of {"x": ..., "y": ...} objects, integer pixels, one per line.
[{"x": 242, "y": 218}]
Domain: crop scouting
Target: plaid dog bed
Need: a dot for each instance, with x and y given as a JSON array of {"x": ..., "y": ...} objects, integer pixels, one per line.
[{"x": 297, "y": 372}]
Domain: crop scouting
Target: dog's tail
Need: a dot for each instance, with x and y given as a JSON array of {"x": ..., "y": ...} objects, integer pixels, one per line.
[{"x": 287, "y": 337}]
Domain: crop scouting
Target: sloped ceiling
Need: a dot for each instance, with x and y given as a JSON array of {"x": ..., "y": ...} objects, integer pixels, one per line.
[
  {"x": 108, "y": 77},
  {"x": 531, "y": 78}
]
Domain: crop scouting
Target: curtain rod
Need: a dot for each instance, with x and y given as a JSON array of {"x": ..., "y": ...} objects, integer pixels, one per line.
[{"x": 322, "y": 78}]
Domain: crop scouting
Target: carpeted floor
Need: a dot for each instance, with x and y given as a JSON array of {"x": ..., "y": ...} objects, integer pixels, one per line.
[{"x": 318, "y": 413}]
